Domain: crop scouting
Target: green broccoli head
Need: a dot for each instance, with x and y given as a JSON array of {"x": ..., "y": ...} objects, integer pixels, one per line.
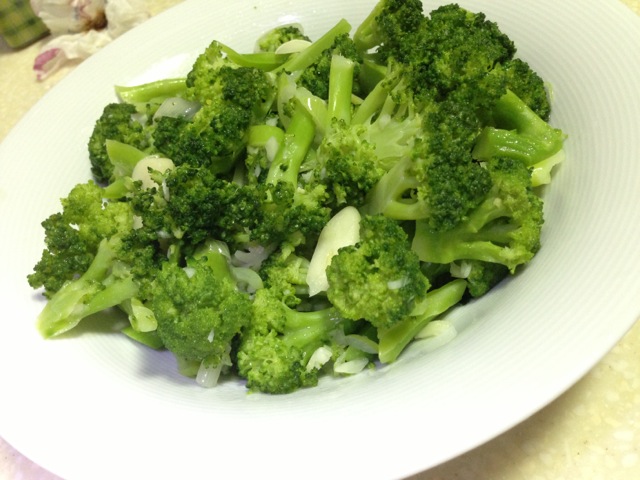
[
  {"x": 214, "y": 138},
  {"x": 347, "y": 164},
  {"x": 274, "y": 38},
  {"x": 458, "y": 47},
  {"x": 201, "y": 204},
  {"x": 199, "y": 314},
  {"x": 284, "y": 273},
  {"x": 270, "y": 365},
  {"x": 437, "y": 180},
  {"x": 378, "y": 279},
  {"x": 72, "y": 236},
  {"x": 522, "y": 80},
  {"x": 273, "y": 354},
  {"x": 120, "y": 122},
  {"x": 504, "y": 228},
  {"x": 231, "y": 98},
  {"x": 389, "y": 28},
  {"x": 315, "y": 77}
]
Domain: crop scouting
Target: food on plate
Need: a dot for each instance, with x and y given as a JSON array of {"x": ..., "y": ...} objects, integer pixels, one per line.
[{"x": 308, "y": 209}]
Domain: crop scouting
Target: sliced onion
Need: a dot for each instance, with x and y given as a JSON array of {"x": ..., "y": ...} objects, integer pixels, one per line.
[
  {"x": 208, "y": 376},
  {"x": 292, "y": 46},
  {"x": 351, "y": 367},
  {"x": 436, "y": 334},
  {"x": 177, "y": 107},
  {"x": 318, "y": 358}
]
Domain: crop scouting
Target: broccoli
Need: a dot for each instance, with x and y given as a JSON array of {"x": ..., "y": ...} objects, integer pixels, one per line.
[
  {"x": 504, "y": 228},
  {"x": 200, "y": 311},
  {"x": 93, "y": 261},
  {"x": 389, "y": 29},
  {"x": 231, "y": 99},
  {"x": 274, "y": 352},
  {"x": 394, "y": 339},
  {"x": 524, "y": 82},
  {"x": 518, "y": 132},
  {"x": 130, "y": 122},
  {"x": 270, "y": 41},
  {"x": 309, "y": 208},
  {"x": 120, "y": 122},
  {"x": 379, "y": 278},
  {"x": 436, "y": 179},
  {"x": 73, "y": 235}
]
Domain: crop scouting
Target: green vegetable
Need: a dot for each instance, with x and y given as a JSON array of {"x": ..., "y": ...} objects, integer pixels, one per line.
[{"x": 308, "y": 209}]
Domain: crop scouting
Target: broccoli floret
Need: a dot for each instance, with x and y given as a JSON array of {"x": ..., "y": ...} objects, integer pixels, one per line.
[
  {"x": 483, "y": 276},
  {"x": 460, "y": 48},
  {"x": 93, "y": 261},
  {"x": 522, "y": 80},
  {"x": 518, "y": 132},
  {"x": 504, "y": 228},
  {"x": 437, "y": 178},
  {"x": 274, "y": 38},
  {"x": 393, "y": 340},
  {"x": 103, "y": 285},
  {"x": 285, "y": 273},
  {"x": 347, "y": 164},
  {"x": 72, "y": 236},
  {"x": 200, "y": 311},
  {"x": 273, "y": 354},
  {"x": 379, "y": 278},
  {"x": 129, "y": 122},
  {"x": 389, "y": 28},
  {"x": 231, "y": 99},
  {"x": 201, "y": 204},
  {"x": 315, "y": 77},
  {"x": 120, "y": 122}
]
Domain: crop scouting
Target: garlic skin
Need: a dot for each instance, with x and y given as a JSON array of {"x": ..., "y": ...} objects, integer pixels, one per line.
[{"x": 80, "y": 28}]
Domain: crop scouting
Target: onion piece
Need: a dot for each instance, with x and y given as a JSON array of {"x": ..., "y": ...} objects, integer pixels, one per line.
[
  {"x": 208, "y": 376},
  {"x": 177, "y": 107}
]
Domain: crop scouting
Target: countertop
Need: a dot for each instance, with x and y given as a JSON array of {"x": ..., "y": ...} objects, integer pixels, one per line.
[{"x": 590, "y": 432}]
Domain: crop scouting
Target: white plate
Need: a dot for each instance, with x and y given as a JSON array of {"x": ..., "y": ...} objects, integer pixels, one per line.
[{"x": 97, "y": 406}]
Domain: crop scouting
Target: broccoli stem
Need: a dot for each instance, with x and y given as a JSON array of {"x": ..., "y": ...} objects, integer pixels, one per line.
[
  {"x": 298, "y": 138},
  {"x": 124, "y": 157},
  {"x": 307, "y": 330},
  {"x": 149, "y": 339},
  {"x": 259, "y": 135},
  {"x": 367, "y": 35},
  {"x": 518, "y": 133},
  {"x": 340, "y": 88},
  {"x": 394, "y": 340},
  {"x": 371, "y": 74},
  {"x": 152, "y": 91},
  {"x": 372, "y": 104},
  {"x": 316, "y": 107},
  {"x": 89, "y": 294},
  {"x": 388, "y": 195},
  {"x": 265, "y": 61},
  {"x": 216, "y": 256},
  {"x": 310, "y": 54}
]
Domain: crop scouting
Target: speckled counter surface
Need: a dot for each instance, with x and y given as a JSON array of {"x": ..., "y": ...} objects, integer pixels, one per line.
[{"x": 591, "y": 432}]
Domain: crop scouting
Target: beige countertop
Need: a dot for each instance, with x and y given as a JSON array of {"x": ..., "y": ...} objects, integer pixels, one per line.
[{"x": 590, "y": 432}]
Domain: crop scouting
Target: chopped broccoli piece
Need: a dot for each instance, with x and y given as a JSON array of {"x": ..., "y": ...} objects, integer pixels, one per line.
[
  {"x": 199, "y": 310},
  {"x": 378, "y": 279},
  {"x": 504, "y": 228},
  {"x": 274, "y": 352},
  {"x": 120, "y": 122},
  {"x": 276, "y": 37}
]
